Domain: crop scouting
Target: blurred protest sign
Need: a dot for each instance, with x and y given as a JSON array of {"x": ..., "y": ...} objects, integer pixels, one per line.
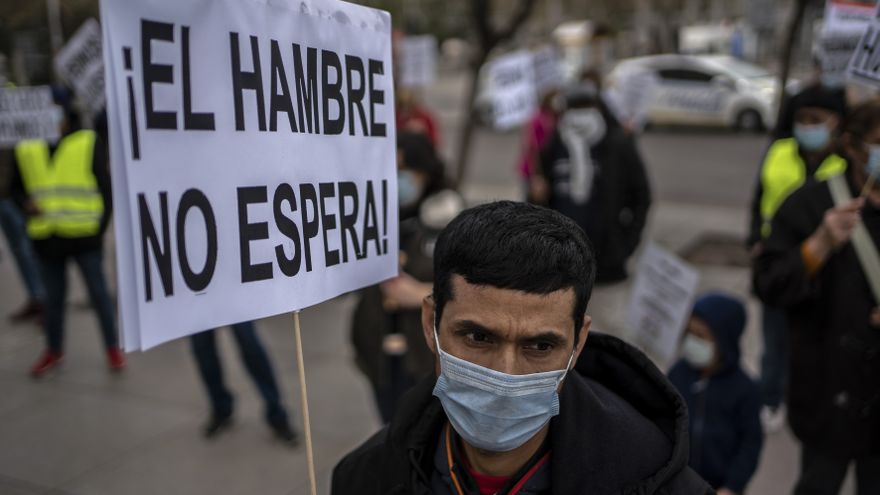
[
  {"x": 834, "y": 51},
  {"x": 864, "y": 66},
  {"x": 512, "y": 83},
  {"x": 630, "y": 95},
  {"x": 418, "y": 60},
  {"x": 27, "y": 113},
  {"x": 253, "y": 155},
  {"x": 547, "y": 68},
  {"x": 661, "y": 301},
  {"x": 80, "y": 64},
  {"x": 842, "y": 27},
  {"x": 848, "y": 15}
]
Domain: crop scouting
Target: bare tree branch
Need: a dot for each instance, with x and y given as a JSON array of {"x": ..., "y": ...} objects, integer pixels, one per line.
[{"x": 522, "y": 13}]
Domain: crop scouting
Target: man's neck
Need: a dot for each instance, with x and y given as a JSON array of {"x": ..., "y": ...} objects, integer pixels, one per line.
[{"x": 503, "y": 463}]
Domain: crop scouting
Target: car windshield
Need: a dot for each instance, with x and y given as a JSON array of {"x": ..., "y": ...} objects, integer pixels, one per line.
[{"x": 739, "y": 68}]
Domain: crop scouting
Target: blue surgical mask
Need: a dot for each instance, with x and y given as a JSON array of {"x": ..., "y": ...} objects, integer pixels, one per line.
[
  {"x": 812, "y": 137},
  {"x": 832, "y": 80},
  {"x": 492, "y": 410},
  {"x": 873, "y": 165},
  {"x": 408, "y": 190}
]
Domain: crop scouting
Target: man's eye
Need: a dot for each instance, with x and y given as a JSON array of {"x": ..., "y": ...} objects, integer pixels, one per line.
[
  {"x": 478, "y": 337},
  {"x": 540, "y": 346}
]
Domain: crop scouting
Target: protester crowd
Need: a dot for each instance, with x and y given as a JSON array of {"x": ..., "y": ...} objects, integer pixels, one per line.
[{"x": 478, "y": 354}]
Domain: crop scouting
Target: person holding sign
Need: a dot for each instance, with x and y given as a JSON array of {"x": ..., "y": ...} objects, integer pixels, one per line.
[
  {"x": 521, "y": 401},
  {"x": 790, "y": 162},
  {"x": 64, "y": 190},
  {"x": 820, "y": 264},
  {"x": 724, "y": 403}
]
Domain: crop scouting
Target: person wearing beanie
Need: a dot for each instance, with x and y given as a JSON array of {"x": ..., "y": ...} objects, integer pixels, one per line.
[
  {"x": 808, "y": 156},
  {"x": 723, "y": 402}
]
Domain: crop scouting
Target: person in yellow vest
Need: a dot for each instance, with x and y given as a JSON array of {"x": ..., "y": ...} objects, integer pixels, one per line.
[
  {"x": 808, "y": 156},
  {"x": 63, "y": 188}
]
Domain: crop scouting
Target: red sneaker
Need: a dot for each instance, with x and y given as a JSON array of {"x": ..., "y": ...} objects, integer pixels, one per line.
[
  {"x": 115, "y": 359},
  {"x": 47, "y": 361}
]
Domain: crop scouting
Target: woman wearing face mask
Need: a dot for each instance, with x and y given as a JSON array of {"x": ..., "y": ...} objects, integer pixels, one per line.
[
  {"x": 791, "y": 162},
  {"x": 810, "y": 267},
  {"x": 386, "y": 326},
  {"x": 597, "y": 179},
  {"x": 723, "y": 402}
]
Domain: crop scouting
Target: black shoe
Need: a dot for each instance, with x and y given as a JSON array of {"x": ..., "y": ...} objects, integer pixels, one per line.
[
  {"x": 32, "y": 310},
  {"x": 216, "y": 425},
  {"x": 285, "y": 433}
]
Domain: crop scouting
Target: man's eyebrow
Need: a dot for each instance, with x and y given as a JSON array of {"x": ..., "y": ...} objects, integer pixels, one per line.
[
  {"x": 467, "y": 326},
  {"x": 550, "y": 337}
]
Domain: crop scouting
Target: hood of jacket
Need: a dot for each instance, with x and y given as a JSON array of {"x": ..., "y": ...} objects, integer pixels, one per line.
[
  {"x": 726, "y": 317},
  {"x": 621, "y": 424}
]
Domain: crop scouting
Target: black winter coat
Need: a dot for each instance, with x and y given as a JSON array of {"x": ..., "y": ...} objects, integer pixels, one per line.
[
  {"x": 618, "y": 209},
  {"x": 622, "y": 428},
  {"x": 834, "y": 379}
]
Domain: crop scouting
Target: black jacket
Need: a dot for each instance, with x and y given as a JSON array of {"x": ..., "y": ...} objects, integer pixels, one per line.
[
  {"x": 834, "y": 379},
  {"x": 618, "y": 209},
  {"x": 622, "y": 428}
]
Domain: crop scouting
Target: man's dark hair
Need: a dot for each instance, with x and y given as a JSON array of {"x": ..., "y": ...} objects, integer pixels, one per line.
[{"x": 515, "y": 246}]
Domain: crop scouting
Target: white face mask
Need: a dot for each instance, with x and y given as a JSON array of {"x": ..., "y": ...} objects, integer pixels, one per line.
[
  {"x": 698, "y": 352},
  {"x": 585, "y": 123}
]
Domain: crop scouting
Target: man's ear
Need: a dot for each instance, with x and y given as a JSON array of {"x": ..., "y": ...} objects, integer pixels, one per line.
[
  {"x": 428, "y": 321},
  {"x": 582, "y": 338}
]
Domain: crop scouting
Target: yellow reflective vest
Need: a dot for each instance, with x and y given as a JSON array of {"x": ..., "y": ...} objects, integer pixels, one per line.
[
  {"x": 62, "y": 186},
  {"x": 784, "y": 172}
]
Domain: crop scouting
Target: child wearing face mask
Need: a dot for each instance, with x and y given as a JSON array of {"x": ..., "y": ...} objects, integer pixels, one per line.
[{"x": 723, "y": 402}]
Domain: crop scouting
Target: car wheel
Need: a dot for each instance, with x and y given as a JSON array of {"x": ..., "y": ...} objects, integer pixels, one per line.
[{"x": 749, "y": 121}]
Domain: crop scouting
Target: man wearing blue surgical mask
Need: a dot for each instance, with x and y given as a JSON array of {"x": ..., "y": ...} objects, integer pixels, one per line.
[
  {"x": 790, "y": 163},
  {"x": 522, "y": 402}
]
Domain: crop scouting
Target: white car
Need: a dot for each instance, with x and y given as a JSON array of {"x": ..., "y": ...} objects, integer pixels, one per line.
[{"x": 709, "y": 90}]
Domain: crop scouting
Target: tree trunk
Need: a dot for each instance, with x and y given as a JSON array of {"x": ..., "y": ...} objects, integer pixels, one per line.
[
  {"x": 470, "y": 121},
  {"x": 794, "y": 25}
]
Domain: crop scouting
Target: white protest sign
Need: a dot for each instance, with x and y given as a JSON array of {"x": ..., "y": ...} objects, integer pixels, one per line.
[
  {"x": 834, "y": 51},
  {"x": 418, "y": 60},
  {"x": 864, "y": 66},
  {"x": 661, "y": 301},
  {"x": 847, "y": 15},
  {"x": 27, "y": 113},
  {"x": 80, "y": 64},
  {"x": 547, "y": 67},
  {"x": 253, "y": 155},
  {"x": 512, "y": 82}
]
